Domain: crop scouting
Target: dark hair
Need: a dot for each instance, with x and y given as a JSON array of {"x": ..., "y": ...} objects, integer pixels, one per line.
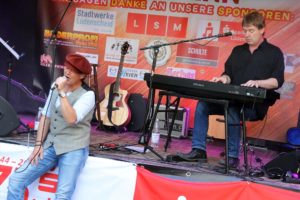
[{"x": 254, "y": 18}]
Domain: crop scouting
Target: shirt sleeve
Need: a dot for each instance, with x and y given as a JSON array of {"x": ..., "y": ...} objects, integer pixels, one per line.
[
  {"x": 228, "y": 65},
  {"x": 278, "y": 72},
  {"x": 84, "y": 105}
]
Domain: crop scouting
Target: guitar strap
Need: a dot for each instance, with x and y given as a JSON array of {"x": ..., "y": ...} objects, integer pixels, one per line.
[{"x": 110, "y": 103}]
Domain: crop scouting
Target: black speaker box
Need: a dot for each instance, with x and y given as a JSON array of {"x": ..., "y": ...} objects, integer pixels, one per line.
[
  {"x": 138, "y": 107},
  {"x": 8, "y": 118},
  {"x": 287, "y": 161}
]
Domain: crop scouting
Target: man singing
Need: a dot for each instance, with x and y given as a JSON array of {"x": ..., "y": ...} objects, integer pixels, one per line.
[{"x": 63, "y": 135}]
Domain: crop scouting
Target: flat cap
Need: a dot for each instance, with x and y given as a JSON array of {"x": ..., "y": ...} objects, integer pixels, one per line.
[{"x": 78, "y": 62}]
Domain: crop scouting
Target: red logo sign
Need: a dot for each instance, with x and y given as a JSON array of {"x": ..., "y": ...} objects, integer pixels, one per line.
[{"x": 157, "y": 25}]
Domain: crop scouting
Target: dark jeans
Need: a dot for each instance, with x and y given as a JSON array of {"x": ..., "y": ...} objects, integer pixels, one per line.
[{"x": 204, "y": 109}]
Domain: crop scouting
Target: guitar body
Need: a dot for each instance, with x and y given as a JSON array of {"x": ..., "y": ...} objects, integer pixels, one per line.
[
  {"x": 120, "y": 114},
  {"x": 114, "y": 109}
]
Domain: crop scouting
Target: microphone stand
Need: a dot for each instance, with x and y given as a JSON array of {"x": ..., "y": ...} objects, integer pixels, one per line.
[
  {"x": 10, "y": 63},
  {"x": 189, "y": 40},
  {"x": 8, "y": 81},
  {"x": 146, "y": 131},
  {"x": 53, "y": 41}
]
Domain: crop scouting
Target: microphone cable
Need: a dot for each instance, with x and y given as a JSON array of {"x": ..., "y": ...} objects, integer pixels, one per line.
[{"x": 42, "y": 136}]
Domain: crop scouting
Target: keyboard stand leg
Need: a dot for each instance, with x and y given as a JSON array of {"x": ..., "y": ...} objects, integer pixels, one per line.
[
  {"x": 170, "y": 126},
  {"x": 148, "y": 131},
  {"x": 245, "y": 145},
  {"x": 226, "y": 137}
]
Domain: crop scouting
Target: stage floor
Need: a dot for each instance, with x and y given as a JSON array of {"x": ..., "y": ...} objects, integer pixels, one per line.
[{"x": 119, "y": 146}]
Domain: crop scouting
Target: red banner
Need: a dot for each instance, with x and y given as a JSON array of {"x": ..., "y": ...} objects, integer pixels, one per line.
[{"x": 150, "y": 186}]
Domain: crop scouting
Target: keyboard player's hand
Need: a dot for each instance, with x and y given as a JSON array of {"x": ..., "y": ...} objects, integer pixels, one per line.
[
  {"x": 251, "y": 83},
  {"x": 221, "y": 79}
]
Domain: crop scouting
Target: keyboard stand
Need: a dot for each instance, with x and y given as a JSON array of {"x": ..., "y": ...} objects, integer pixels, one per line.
[{"x": 176, "y": 102}]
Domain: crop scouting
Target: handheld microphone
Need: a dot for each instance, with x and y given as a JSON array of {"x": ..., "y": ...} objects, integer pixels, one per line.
[{"x": 55, "y": 84}]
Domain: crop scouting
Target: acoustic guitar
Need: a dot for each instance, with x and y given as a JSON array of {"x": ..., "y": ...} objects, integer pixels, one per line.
[{"x": 113, "y": 108}]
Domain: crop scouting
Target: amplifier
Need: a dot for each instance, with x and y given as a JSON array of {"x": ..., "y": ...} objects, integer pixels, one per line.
[{"x": 180, "y": 127}]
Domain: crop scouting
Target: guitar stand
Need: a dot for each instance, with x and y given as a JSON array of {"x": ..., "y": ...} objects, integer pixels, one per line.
[{"x": 97, "y": 103}]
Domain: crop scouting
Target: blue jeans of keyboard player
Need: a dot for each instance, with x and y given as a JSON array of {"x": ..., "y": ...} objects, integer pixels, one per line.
[
  {"x": 69, "y": 165},
  {"x": 203, "y": 110}
]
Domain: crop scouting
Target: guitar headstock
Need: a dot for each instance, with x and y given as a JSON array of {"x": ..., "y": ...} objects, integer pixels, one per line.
[{"x": 124, "y": 48}]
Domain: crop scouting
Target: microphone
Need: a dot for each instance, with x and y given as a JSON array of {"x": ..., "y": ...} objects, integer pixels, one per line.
[
  {"x": 56, "y": 85},
  {"x": 225, "y": 34}
]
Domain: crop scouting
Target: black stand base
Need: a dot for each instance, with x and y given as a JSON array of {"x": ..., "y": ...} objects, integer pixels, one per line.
[{"x": 147, "y": 147}]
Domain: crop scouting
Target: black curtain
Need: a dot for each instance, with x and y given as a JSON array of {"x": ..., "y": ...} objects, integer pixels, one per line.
[
  {"x": 19, "y": 26},
  {"x": 18, "y": 22}
]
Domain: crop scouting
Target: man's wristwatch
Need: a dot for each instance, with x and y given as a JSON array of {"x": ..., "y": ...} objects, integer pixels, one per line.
[{"x": 62, "y": 94}]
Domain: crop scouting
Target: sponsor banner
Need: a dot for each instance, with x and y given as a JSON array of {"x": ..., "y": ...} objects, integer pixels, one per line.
[
  {"x": 291, "y": 62},
  {"x": 113, "y": 50},
  {"x": 96, "y": 180},
  {"x": 89, "y": 2},
  {"x": 287, "y": 91},
  {"x": 135, "y": 4},
  {"x": 235, "y": 28},
  {"x": 159, "y": 25},
  {"x": 190, "y": 53},
  {"x": 276, "y": 14},
  {"x": 127, "y": 73},
  {"x": 72, "y": 39},
  {"x": 89, "y": 24},
  {"x": 151, "y": 186},
  {"x": 164, "y": 53},
  {"x": 95, "y": 21},
  {"x": 92, "y": 58},
  {"x": 208, "y": 28},
  {"x": 181, "y": 72},
  {"x": 110, "y": 180}
]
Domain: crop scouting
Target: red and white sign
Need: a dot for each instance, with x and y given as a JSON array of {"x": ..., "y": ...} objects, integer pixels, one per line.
[
  {"x": 190, "y": 53},
  {"x": 110, "y": 180},
  {"x": 235, "y": 28},
  {"x": 160, "y": 25},
  {"x": 100, "y": 178}
]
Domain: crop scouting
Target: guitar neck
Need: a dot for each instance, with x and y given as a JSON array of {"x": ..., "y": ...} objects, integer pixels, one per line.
[{"x": 118, "y": 79}]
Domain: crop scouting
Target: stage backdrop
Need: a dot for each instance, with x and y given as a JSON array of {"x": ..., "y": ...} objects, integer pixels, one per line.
[{"x": 98, "y": 28}]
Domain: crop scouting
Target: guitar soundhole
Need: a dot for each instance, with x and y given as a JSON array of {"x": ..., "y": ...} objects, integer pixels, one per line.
[{"x": 117, "y": 97}]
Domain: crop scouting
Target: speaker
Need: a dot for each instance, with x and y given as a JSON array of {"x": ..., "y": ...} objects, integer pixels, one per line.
[
  {"x": 138, "y": 107},
  {"x": 287, "y": 161},
  {"x": 8, "y": 118},
  {"x": 180, "y": 126}
]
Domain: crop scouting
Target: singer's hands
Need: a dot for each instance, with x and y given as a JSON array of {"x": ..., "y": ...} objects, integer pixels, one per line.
[
  {"x": 60, "y": 83},
  {"x": 38, "y": 153}
]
